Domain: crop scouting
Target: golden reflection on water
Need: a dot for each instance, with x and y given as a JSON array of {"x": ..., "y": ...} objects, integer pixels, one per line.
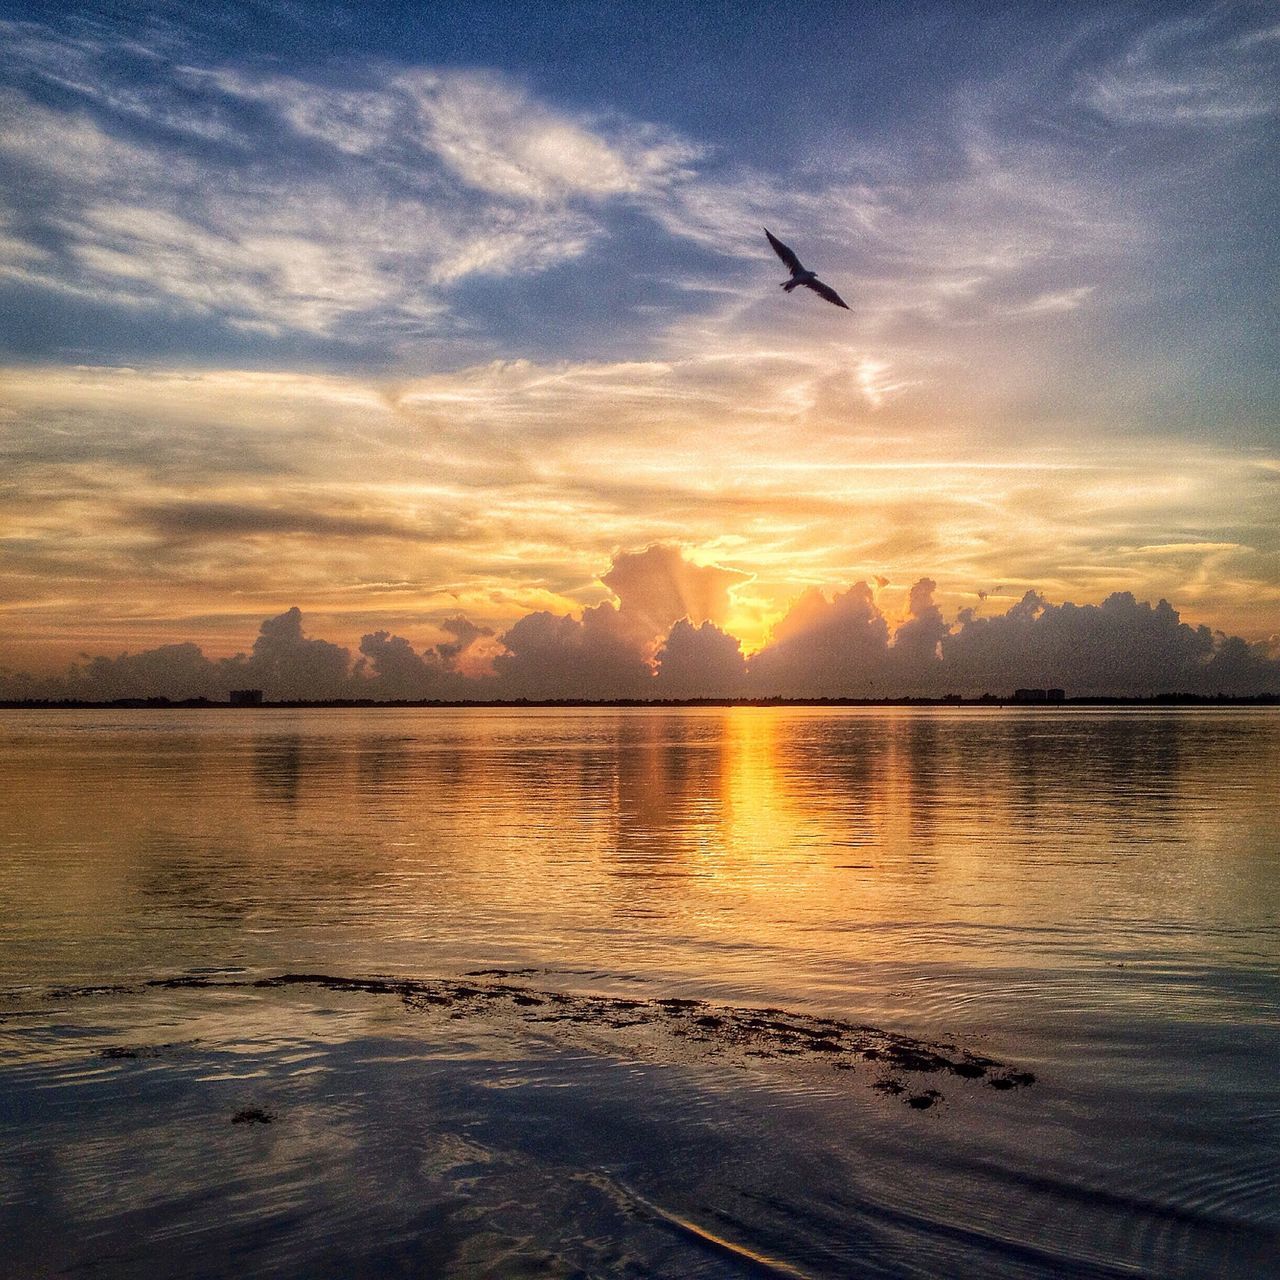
[
  {"x": 1092, "y": 895},
  {"x": 746, "y": 846}
]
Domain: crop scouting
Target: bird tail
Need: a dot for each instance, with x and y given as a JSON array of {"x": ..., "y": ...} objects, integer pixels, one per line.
[{"x": 788, "y": 285}]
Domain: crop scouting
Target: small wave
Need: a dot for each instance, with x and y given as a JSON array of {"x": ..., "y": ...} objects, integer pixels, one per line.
[{"x": 752, "y": 1260}]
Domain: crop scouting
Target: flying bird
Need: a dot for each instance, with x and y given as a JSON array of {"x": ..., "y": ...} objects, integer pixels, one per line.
[{"x": 801, "y": 276}]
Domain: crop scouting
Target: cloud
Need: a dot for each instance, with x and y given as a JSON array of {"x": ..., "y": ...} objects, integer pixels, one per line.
[
  {"x": 822, "y": 643},
  {"x": 843, "y": 646},
  {"x": 614, "y": 647},
  {"x": 481, "y": 127},
  {"x": 284, "y": 662},
  {"x": 1120, "y": 644},
  {"x": 921, "y": 636},
  {"x": 390, "y": 669},
  {"x": 596, "y": 656},
  {"x": 1213, "y": 69},
  {"x": 699, "y": 662},
  {"x": 500, "y": 140},
  {"x": 353, "y": 206},
  {"x": 1038, "y": 384},
  {"x": 182, "y": 521},
  {"x": 465, "y": 637},
  {"x": 289, "y": 665},
  {"x": 826, "y": 646},
  {"x": 297, "y": 206},
  {"x": 170, "y": 671},
  {"x": 130, "y": 499},
  {"x": 659, "y": 586}
]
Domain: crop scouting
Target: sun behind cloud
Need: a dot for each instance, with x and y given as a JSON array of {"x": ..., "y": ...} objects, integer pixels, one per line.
[{"x": 397, "y": 340}]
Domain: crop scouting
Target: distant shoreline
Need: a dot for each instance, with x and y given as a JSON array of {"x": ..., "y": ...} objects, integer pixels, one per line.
[{"x": 517, "y": 704}]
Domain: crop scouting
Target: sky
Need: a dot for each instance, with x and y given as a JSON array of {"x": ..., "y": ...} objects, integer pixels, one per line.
[{"x": 455, "y": 325}]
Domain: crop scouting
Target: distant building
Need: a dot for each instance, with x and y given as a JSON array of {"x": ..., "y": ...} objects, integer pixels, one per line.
[
  {"x": 1039, "y": 695},
  {"x": 246, "y": 697}
]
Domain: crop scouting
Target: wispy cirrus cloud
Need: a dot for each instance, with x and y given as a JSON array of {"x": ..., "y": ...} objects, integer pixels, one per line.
[
  {"x": 275, "y": 203},
  {"x": 1215, "y": 68},
  {"x": 365, "y": 205},
  {"x": 307, "y": 208}
]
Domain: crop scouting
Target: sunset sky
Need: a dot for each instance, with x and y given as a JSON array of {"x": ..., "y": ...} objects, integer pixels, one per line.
[{"x": 401, "y": 314}]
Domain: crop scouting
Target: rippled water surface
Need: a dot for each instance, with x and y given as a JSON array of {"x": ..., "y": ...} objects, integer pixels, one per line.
[{"x": 1089, "y": 898}]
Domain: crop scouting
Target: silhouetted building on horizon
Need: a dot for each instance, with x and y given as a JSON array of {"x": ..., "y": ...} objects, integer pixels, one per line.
[
  {"x": 245, "y": 697},
  {"x": 1039, "y": 695}
]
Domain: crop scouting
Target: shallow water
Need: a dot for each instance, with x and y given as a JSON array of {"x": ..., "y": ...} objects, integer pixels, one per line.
[{"x": 1089, "y": 896}]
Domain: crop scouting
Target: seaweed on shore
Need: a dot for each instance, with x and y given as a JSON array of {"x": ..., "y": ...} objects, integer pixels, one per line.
[
  {"x": 751, "y": 1032},
  {"x": 701, "y": 1028},
  {"x": 253, "y": 1115},
  {"x": 121, "y": 1052}
]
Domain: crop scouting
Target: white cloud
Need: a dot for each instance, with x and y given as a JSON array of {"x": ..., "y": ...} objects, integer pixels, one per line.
[
  {"x": 356, "y": 209},
  {"x": 500, "y": 140},
  {"x": 481, "y": 127},
  {"x": 1195, "y": 71},
  {"x": 261, "y": 236}
]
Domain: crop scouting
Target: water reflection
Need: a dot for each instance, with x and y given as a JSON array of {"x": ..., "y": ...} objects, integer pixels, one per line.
[
  {"x": 1091, "y": 894},
  {"x": 277, "y": 768},
  {"x": 807, "y": 838},
  {"x": 384, "y": 767}
]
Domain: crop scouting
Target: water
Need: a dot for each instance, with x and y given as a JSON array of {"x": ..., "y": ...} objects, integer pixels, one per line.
[{"x": 1092, "y": 897}]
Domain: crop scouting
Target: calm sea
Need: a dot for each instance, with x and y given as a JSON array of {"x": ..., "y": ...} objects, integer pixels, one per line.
[{"x": 1089, "y": 898}]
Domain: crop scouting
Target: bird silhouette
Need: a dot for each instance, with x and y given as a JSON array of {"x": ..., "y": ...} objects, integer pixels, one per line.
[{"x": 800, "y": 275}]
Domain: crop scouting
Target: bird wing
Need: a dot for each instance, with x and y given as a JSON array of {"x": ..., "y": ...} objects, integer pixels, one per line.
[
  {"x": 788, "y": 257},
  {"x": 826, "y": 291}
]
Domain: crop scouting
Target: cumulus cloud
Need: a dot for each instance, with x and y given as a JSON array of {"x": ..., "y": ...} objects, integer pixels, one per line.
[
  {"x": 919, "y": 639},
  {"x": 466, "y": 638},
  {"x": 700, "y": 662},
  {"x": 390, "y": 669},
  {"x": 294, "y": 666},
  {"x": 840, "y": 645},
  {"x": 612, "y": 646},
  {"x": 822, "y": 643},
  {"x": 1121, "y": 644},
  {"x": 1119, "y": 647},
  {"x": 284, "y": 662},
  {"x": 596, "y": 656},
  {"x": 169, "y": 671},
  {"x": 660, "y": 586},
  {"x": 395, "y": 669}
]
